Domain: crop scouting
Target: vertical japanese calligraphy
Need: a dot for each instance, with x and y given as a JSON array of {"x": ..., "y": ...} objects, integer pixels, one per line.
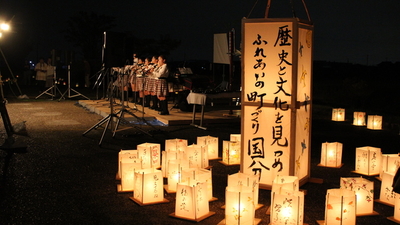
[{"x": 276, "y": 98}]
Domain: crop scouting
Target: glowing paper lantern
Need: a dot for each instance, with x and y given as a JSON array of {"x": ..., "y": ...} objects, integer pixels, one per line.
[
  {"x": 148, "y": 187},
  {"x": 359, "y": 119},
  {"x": 197, "y": 156},
  {"x": 331, "y": 154},
  {"x": 387, "y": 196},
  {"x": 276, "y": 98},
  {"x": 175, "y": 168},
  {"x": 176, "y": 145},
  {"x": 130, "y": 154},
  {"x": 340, "y": 207},
  {"x": 239, "y": 205},
  {"x": 364, "y": 190},
  {"x": 211, "y": 144},
  {"x": 128, "y": 164},
  {"x": 231, "y": 152},
  {"x": 396, "y": 217},
  {"x": 248, "y": 180},
  {"x": 390, "y": 163},
  {"x": 338, "y": 114},
  {"x": 168, "y": 156},
  {"x": 368, "y": 160},
  {"x": 235, "y": 137},
  {"x": 150, "y": 154},
  {"x": 201, "y": 176},
  {"x": 191, "y": 201},
  {"x": 287, "y": 207},
  {"x": 374, "y": 122}
]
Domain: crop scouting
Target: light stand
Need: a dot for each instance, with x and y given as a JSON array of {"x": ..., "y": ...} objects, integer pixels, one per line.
[
  {"x": 69, "y": 88},
  {"x": 53, "y": 88},
  {"x": 119, "y": 116}
]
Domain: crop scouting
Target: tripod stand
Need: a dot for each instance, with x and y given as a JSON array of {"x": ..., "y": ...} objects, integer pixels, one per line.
[
  {"x": 115, "y": 117},
  {"x": 69, "y": 88},
  {"x": 52, "y": 91}
]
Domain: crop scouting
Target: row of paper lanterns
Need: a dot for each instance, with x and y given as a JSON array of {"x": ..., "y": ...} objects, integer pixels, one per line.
[{"x": 374, "y": 122}]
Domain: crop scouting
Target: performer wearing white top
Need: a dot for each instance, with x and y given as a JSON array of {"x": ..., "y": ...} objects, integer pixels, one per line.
[
  {"x": 161, "y": 75},
  {"x": 41, "y": 69}
]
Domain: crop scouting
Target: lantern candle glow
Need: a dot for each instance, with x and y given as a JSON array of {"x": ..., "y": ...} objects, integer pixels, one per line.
[
  {"x": 340, "y": 207},
  {"x": 364, "y": 190},
  {"x": 338, "y": 114},
  {"x": 359, "y": 119},
  {"x": 231, "y": 152},
  {"x": 212, "y": 145},
  {"x": 368, "y": 160},
  {"x": 331, "y": 154},
  {"x": 374, "y": 122},
  {"x": 148, "y": 187}
]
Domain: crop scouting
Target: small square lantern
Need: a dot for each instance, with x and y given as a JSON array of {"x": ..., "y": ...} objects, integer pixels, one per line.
[
  {"x": 231, "y": 151},
  {"x": 148, "y": 187},
  {"x": 368, "y": 160},
  {"x": 364, "y": 190},
  {"x": 128, "y": 167},
  {"x": 338, "y": 114},
  {"x": 287, "y": 207},
  {"x": 374, "y": 122},
  {"x": 331, "y": 154},
  {"x": 284, "y": 184},
  {"x": 340, "y": 207},
  {"x": 175, "y": 168},
  {"x": 390, "y": 163},
  {"x": 167, "y": 156},
  {"x": 249, "y": 180},
  {"x": 199, "y": 175},
  {"x": 176, "y": 145},
  {"x": 359, "y": 119},
  {"x": 212, "y": 145},
  {"x": 239, "y": 206},
  {"x": 387, "y": 196},
  {"x": 191, "y": 201},
  {"x": 235, "y": 137},
  {"x": 198, "y": 156},
  {"x": 150, "y": 154},
  {"x": 130, "y": 154},
  {"x": 396, "y": 217}
]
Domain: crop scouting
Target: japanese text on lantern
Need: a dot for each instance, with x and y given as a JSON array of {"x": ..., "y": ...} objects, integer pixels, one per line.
[{"x": 268, "y": 90}]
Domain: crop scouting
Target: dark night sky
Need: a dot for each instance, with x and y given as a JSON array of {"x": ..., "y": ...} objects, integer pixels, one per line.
[{"x": 355, "y": 31}]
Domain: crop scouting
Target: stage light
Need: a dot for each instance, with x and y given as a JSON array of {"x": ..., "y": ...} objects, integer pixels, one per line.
[{"x": 5, "y": 26}]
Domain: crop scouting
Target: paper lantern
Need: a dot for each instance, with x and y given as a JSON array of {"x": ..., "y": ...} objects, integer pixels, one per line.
[
  {"x": 231, "y": 152},
  {"x": 235, "y": 137},
  {"x": 374, "y": 122},
  {"x": 191, "y": 201},
  {"x": 211, "y": 144},
  {"x": 197, "y": 156},
  {"x": 239, "y": 206},
  {"x": 176, "y": 145},
  {"x": 175, "y": 168},
  {"x": 396, "y": 217},
  {"x": 150, "y": 154},
  {"x": 199, "y": 175},
  {"x": 387, "y": 196},
  {"x": 148, "y": 187},
  {"x": 128, "y": 164},
  {"x": 130, "y": 154},
  {"x": 248, "y": 180},
  {"x": 284, "y": 184},
  {"x": 359, "y": 119},
  {"x": 338, "y": 114},
  {"x": 368, "y": 160},
  {"x": 340, "y": 207},
  {"x": 287, "y": 207},
  {"x": 168, "y": 156},
  {"x": 364, "y": 190},
  {"x": 390, "y": 163},
  {"x": 331, "y": 154}
]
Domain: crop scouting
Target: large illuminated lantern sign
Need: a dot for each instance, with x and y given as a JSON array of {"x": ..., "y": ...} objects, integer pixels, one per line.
[{"x": 276, "y": 98}]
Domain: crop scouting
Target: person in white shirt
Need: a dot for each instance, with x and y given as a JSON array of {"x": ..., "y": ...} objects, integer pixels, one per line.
[
  {"x": 160, "y": 75},
  {"x": 41, "y": 74}
]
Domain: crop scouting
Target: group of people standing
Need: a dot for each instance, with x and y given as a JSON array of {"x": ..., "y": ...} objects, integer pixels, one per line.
[
  {"x": 44, "y": 73},
  {"x": 147, "y": 78}
]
